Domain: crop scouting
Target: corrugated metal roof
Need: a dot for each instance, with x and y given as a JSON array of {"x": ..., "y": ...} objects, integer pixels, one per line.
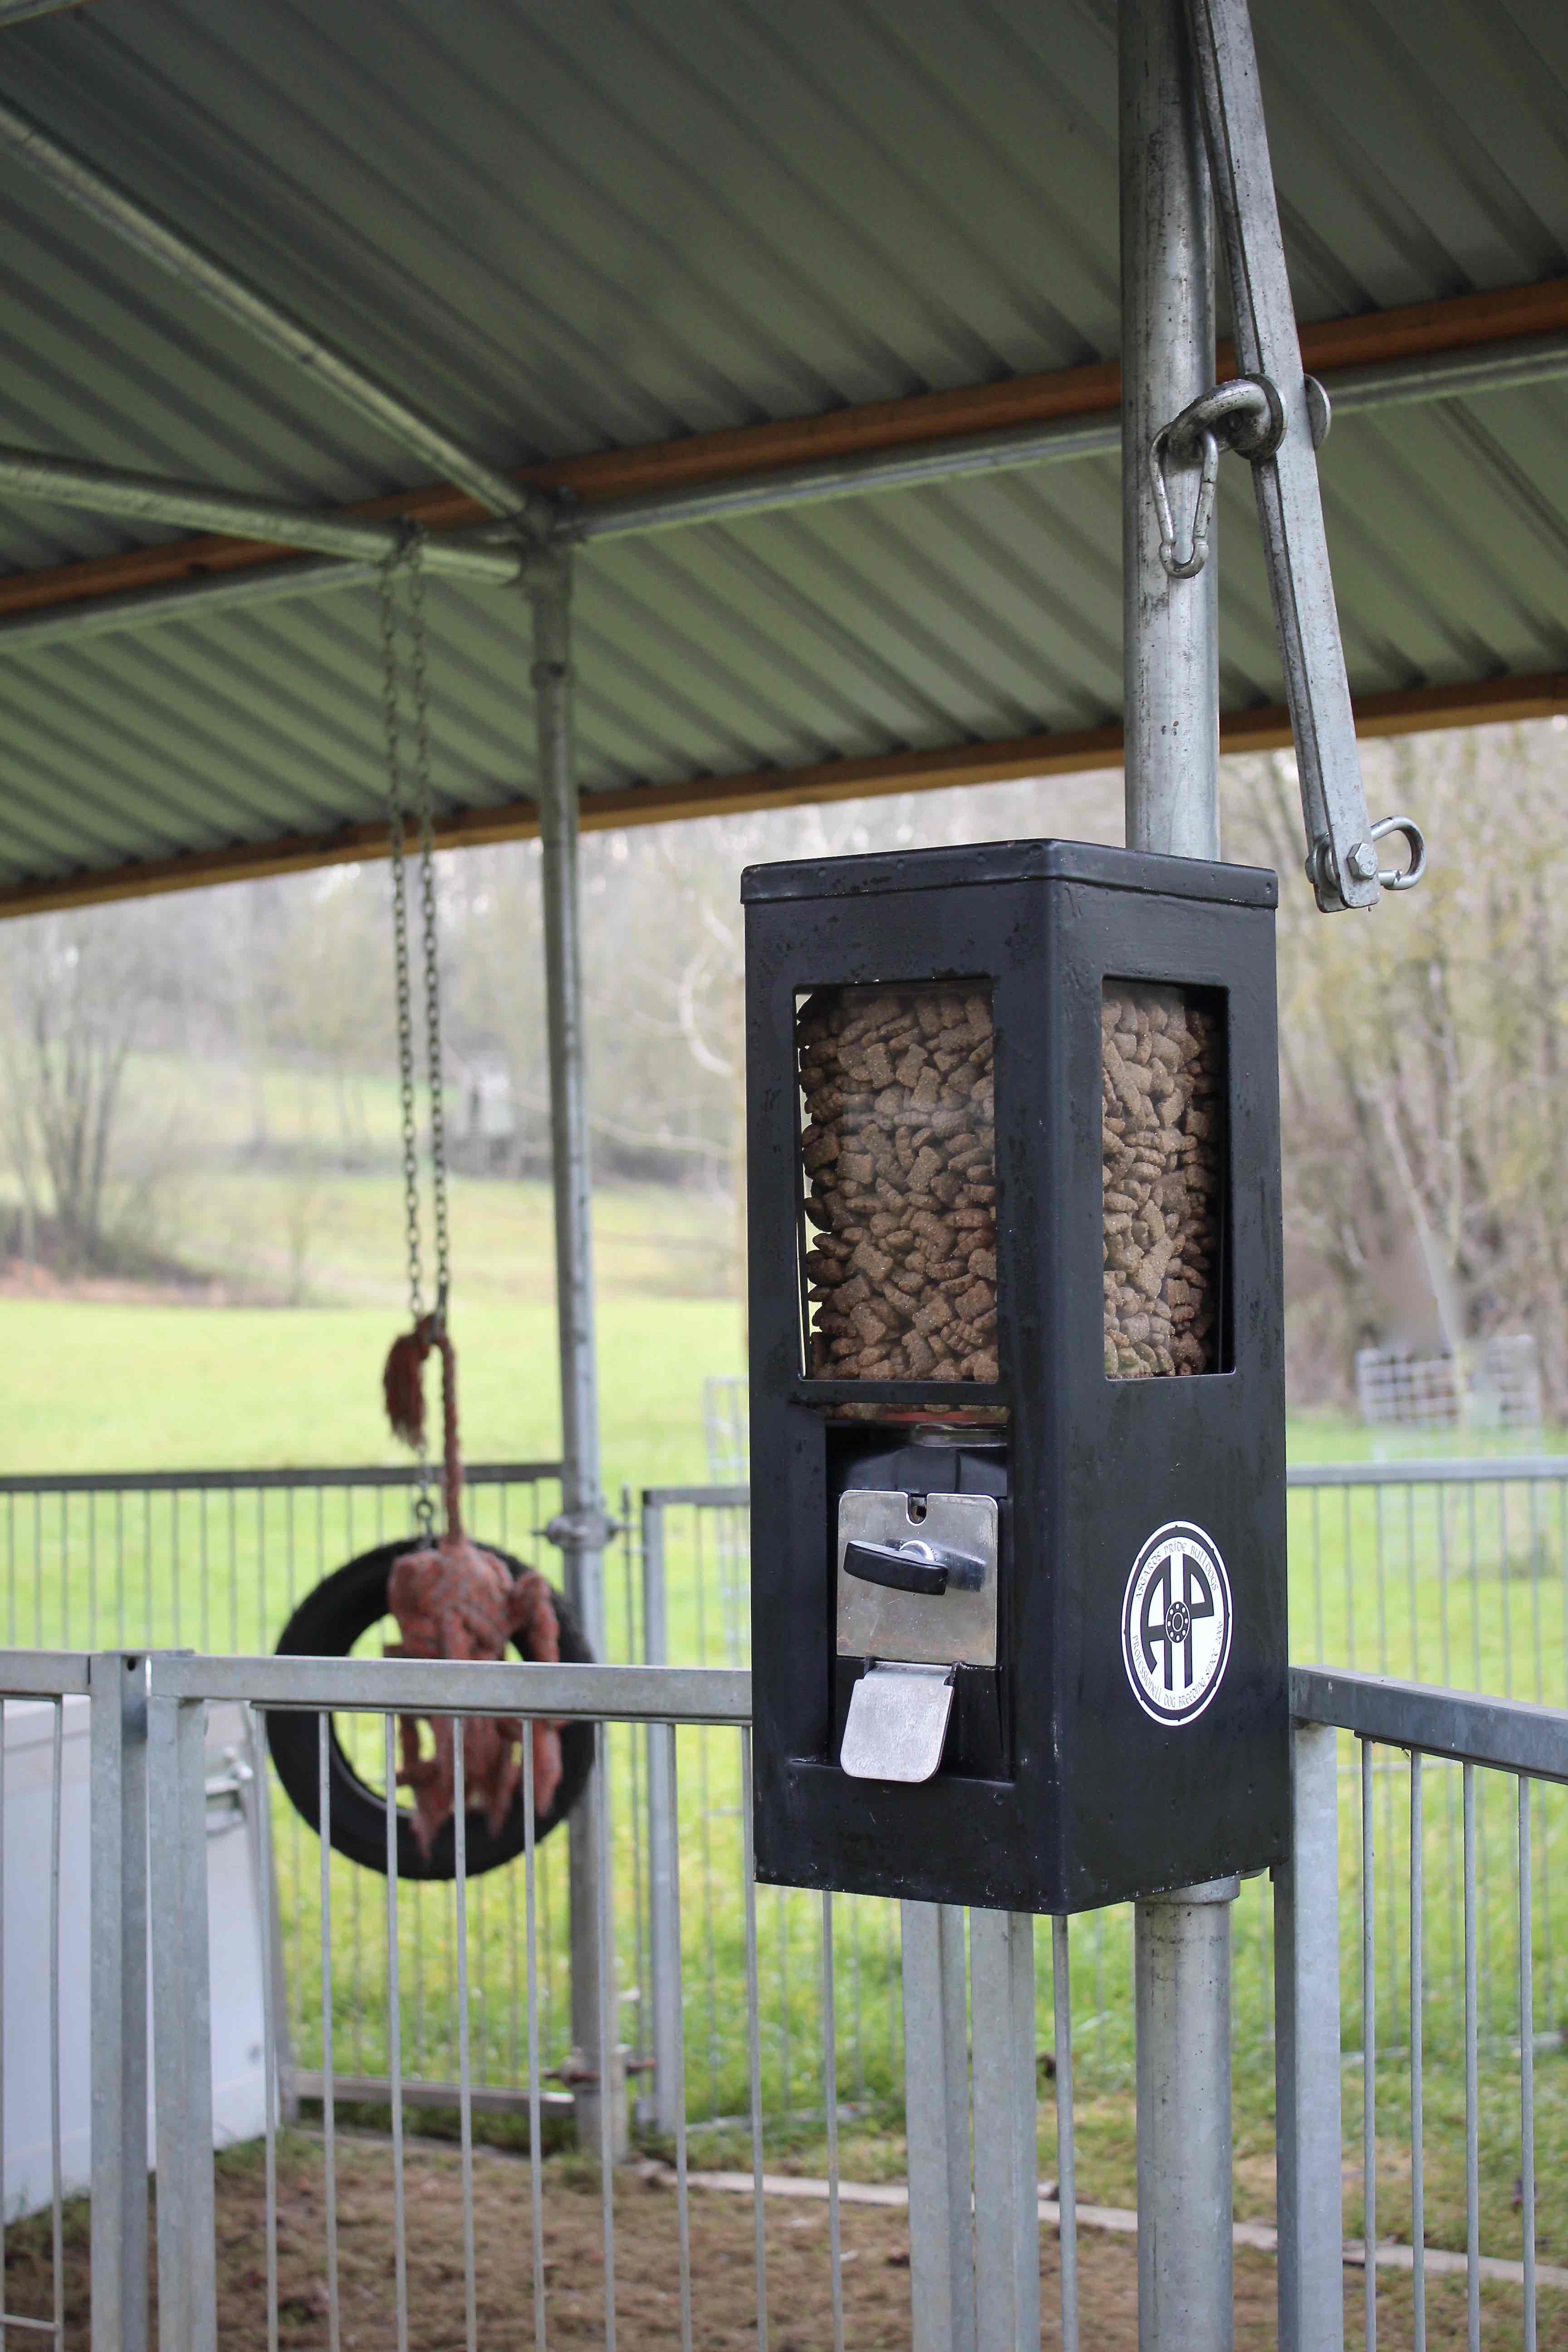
[{"x": 563, "y": 229}]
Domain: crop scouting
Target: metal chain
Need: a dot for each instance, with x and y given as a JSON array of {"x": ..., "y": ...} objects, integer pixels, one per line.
[
  {"x": 408, "y": 556},
  {"x": 425, "y": 811}
]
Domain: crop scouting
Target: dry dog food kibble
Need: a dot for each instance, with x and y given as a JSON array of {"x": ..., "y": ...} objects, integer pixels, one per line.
[
  {"x": 899, "y": 1155},
  {"x": 1161, "y": 1143}
]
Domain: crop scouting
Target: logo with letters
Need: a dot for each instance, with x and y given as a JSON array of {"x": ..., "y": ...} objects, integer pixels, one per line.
[{"x": 1175, "y": 1624}]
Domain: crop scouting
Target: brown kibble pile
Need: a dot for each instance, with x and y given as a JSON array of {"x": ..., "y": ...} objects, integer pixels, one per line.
[
  {"x": 1160, "y": 1152},
  {"x": 899, "y": 1153}
]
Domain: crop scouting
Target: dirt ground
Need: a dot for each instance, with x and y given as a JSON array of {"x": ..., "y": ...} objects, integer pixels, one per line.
[{"x": 648, "y": 2303}]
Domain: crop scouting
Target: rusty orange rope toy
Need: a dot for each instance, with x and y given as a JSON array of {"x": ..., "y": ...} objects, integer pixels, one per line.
[{"x": 452, "y": 1599}]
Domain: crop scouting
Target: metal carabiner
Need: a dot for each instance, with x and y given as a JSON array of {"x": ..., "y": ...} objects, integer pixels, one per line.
[{"x": 1187, "y": 566}]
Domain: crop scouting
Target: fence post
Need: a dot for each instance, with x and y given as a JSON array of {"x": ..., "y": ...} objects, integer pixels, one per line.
[
  {"x": 936, "y": 2129},
  {"x": 117, "y": 1685},
  {"x": 182, "y": 2024},
  {"x": 1181, "y": 1947},
  {"x": 663, "y": 1842},
  {"x": 1307, "y": 2051},
  {"x": 1006, "y": 2166}
]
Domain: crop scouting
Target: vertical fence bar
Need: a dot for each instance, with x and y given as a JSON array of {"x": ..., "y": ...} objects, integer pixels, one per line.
[
  {"x": 535, "y": 2136},
  {"x": 1417, "y": 2053},
  {"x": 830, "y": 2112},
  {"x": 755, "y": 2045},
  {"x": 1066, "y": 2153},
  {"x": 663, "y": 1840},
  {"x": 1472, "y": 2082},
  {"x": 57, "y": 2194},
  {"x": 328, "y": 2093},
  {"x": 182, "y": 2024},
  {"x": 936, "y": 2110},
  {"x": 667, "y": 1759},
  {"x": 609, "y": 2054},
  {"x": 394, "y": 2036},
  {"x": 118, "y": 1977},
  {"x": 1527, "y": 2061},
  {"x": 1006, "y": 2168},
  {"x": 1369, "y": 2041},
  {"x": 465, "y": 2088},
  {"x": 266, "y": 1904},
  {"x": 1307, "y": 2051}
]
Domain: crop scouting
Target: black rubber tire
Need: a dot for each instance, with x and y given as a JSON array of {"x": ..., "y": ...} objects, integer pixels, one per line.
[{"x": 327, "y": 1624}]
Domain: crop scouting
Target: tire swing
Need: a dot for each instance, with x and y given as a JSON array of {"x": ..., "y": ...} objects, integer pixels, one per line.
[{"x": 451, "y": 1598}]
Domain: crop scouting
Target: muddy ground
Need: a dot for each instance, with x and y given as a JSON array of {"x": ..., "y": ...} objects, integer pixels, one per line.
[{"x": 647, "y": 2287}]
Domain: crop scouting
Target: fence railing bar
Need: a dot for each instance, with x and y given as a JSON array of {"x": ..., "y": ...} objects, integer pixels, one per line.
[
  {"x": 1482, "y": 1470},
  {"x": 44, "y": 1674},
  {"x": 456, "y": 1686},
  {"x": 1508, "y": 1735},
  {"x": 186, "y": 1482}
]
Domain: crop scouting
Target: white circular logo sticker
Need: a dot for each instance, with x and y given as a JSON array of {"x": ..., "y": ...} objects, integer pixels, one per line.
[{"x": 1175, "y": 1624}]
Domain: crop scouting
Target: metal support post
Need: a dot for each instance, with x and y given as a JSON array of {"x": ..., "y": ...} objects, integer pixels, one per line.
[
  {"x": 664, "y": 1848},
  {"x": 1183, "y": 1941},
  {"x": 1171, "y": 636},
  {"x": 182, "y": 2025},
  {"x": 118, "y": 1688},
  {"x": 582, "y": 1528},
  {"x": 1006, "y": 2163},
  {"x": 1183, "y": 1970},
  {"x": 1307, "y": 2051},
  {"x": 936, "y": 2128}
]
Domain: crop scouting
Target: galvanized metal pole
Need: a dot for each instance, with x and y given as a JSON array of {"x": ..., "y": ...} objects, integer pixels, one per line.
[
  {"x": 1171, "y": 640},
  {"x": 1307, "y": 2051},
  {"x": 936, "y": 2126},
  {"x": 581, "y": 1528},
  {"x": 118, "y": 1685},
  {"x": 1183, "y": 1941}
]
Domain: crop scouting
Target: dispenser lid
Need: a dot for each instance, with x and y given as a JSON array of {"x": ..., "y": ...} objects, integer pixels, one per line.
[{"x": 1011, "y": 861}]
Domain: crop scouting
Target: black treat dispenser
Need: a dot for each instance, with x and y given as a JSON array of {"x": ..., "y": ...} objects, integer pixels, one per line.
[{"x": 1016, "y": 1373}]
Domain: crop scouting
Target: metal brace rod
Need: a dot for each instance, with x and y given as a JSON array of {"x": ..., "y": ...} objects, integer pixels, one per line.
[
  {"x": 1341, "y": 857},
  {"x": 152, "y": 497},
  {"x": 1539, "y": 359},
  {"x": 17, "y": 12},
  {"x": 201, "y": 273}
]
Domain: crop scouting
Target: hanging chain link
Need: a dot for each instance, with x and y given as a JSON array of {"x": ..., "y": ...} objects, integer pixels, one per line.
[{"x": 408, "y": 560}]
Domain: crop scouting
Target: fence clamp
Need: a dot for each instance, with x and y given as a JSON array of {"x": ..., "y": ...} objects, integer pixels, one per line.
[{"x": 584, "y": 1531}]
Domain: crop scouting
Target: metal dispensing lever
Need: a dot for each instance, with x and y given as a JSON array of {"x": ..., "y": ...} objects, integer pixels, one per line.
[
  {"x": 913, "y": 1567},
  {"x": 1276, "y": 416}
]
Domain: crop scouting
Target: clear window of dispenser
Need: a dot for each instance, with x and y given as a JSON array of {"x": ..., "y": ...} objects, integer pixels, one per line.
[
  {"x": 1163, "y": 1154},
  {"x": 898, "y": 1183}
]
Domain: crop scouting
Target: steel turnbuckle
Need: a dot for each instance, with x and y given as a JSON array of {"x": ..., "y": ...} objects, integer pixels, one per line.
[{"x": 1246, "y": 415}]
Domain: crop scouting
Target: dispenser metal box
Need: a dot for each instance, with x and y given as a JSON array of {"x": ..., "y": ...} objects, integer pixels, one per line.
[{"x": 1016, "y": 1375}]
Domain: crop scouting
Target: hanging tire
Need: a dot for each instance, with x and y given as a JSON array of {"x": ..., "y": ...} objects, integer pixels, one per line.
[{"x": 328, "y": 1623}]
